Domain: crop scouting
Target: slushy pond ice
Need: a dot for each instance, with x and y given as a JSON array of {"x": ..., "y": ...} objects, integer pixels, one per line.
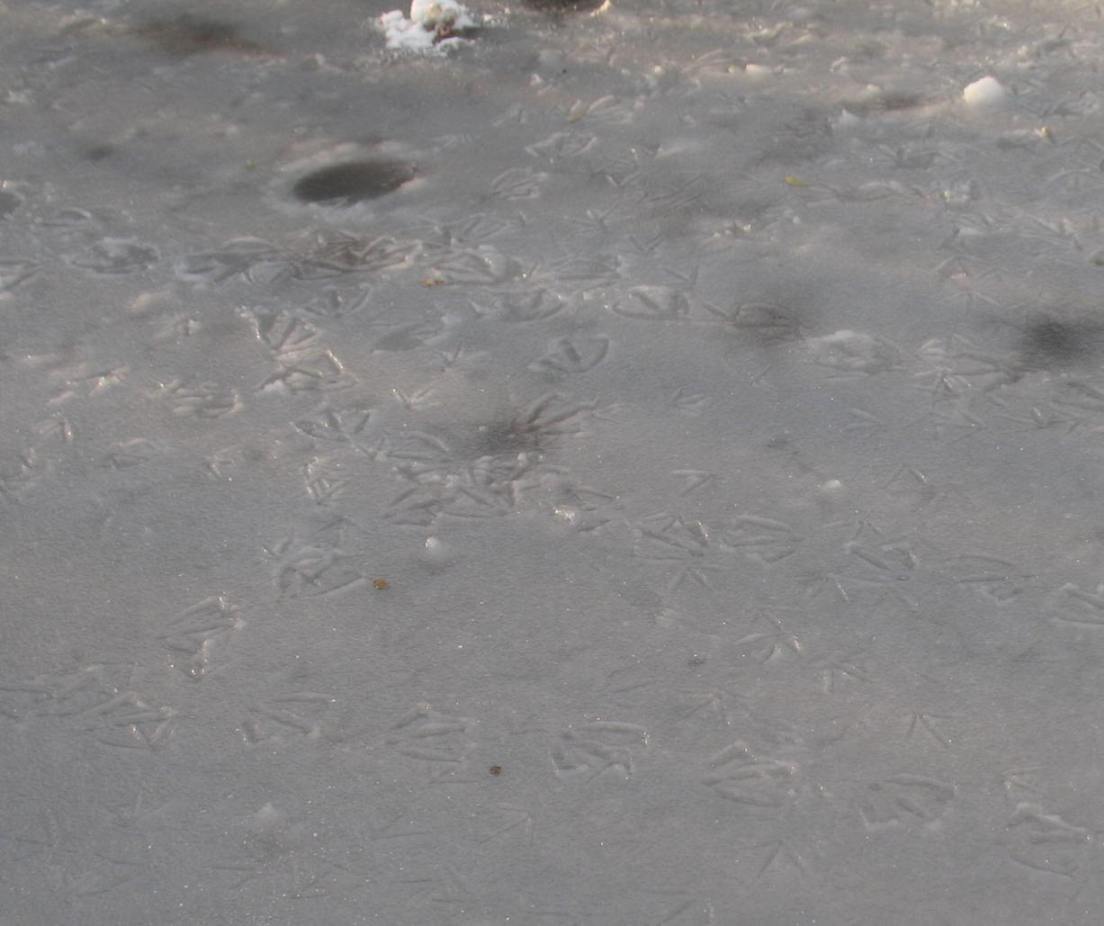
[{"x": 607, "y": 464}]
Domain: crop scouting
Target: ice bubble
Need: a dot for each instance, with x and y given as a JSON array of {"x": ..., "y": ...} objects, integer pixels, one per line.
[{"x": 985, "y": 93}]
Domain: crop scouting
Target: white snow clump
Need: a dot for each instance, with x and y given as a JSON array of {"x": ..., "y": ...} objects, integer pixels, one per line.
[
  {"x": 985, "y": 93},
  {"x": 433, "y": 25}
]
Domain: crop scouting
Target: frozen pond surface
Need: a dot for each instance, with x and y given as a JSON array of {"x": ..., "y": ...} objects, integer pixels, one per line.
[{"x": 630, "y": 468}]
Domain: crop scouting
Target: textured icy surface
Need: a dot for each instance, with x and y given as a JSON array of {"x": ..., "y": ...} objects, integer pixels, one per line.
[{"x": 631, "y": 468}]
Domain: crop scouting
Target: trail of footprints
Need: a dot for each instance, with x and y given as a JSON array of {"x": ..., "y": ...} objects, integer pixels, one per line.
[{"x": 617, "y": 274}]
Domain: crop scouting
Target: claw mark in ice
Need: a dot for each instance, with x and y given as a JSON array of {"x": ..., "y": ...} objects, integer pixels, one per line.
[
  {"x": 336, "y": 425},
  {"x": 690, "y": 403},
  {"x": 779, "y": 854},
  {"x": 298, "y": 714},
  {"x": 323, "y": 479},
  {"x": 738, "y": 774},
  {"x": 90, "y": 699},
  {"x": 606, "y": 110},
  {"x": 14, "y": 271},
  {"x": 422, "y": 733},
  {"x": 694, "y": 479},
  {"x": 854, "y": 352},
  {"x": 580, "y": 273},
  {"x": 911, "y": 481},
  {"x": 318, "y": 569},
  {"x": 996, "y": 580},
  {"x": 332, "y": 252},
  {"x": 511, "y": 820},
  {"x": 302, "y": 363},
  {"x": 929, "y": 724},
  {"x": 238, "y": 257},
  {"x": 904, "y": 799},
  {"x": 489, "y": 487},
  {"x": 134, "y": 452},
  {"x": 308, "y": 371},
  {"x": 863, "y": 422},
  {"x": 688, "y": 546},
  {"x": 200, "y": 400},
  {"x": 593, "y": 748},
  {"x": 717, "y": 704},
  {"x": 1047, "y": 842},
  {"x": 117, "y": 256},
  {"x": 483, "y": 266},
  {"x": 192, "y": 634},
  {"x": 519, "y": 183},
  {"x": 653, "y": 303},
  {"x": 562, "y": 145},
  {"x": 1087, "y": 607},
  {"x": 572, "y": 355},
  {"x": 882, "y": 567},
  {"x": 20, "y": 472},
  {"x": 768, "y": 645},
  {"x": 764, "y": 540},
  {"x": 531, "y": 305},
  {"x": 764, "y": 323},
  {"x": 333, "y": 302},
  {"x": 835, "y": 669},
  {"x": 956, "y": 366},
  {"x": 282, "y": 333}
]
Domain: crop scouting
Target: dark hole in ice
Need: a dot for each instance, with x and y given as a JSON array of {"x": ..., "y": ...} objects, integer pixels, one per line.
[
  {"x": 352, "y": 182},
  {"x": 566, "y": 7},
  {"x": 9, "y": 202},
  {"x": 1048, "y": 342},
  {"x": 189, "y": 35}
]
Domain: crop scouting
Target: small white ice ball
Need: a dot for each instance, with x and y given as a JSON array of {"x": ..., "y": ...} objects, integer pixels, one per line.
[
  {"x": 985, "y": 93},
  {"x": 437, "y": 554}
]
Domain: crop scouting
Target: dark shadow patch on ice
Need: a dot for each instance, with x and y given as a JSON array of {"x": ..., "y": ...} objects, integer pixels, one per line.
[
  {"x": 760, "y": 324},
  {"x": 566, "y": 7},
  {"x": 890, "y": 102},
  {"x": 95, "y": 153},
  {"x": 9, "y": 202},
  {"x": 1050, "y": 343},
  {"x": 191, "y": 35},
  {"x": 352, "y": 182}
]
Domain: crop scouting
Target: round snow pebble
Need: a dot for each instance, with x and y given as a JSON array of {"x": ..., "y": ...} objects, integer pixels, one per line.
[{"x": 984, "y": 93}]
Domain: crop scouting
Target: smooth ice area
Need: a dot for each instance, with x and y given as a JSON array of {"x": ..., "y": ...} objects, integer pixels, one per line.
[{"x": 598, "y": 464}]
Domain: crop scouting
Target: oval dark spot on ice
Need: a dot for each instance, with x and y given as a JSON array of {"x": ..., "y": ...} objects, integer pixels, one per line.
[
  {"x": 566, "y": 7},
  {"x": 1047, "y": 343},
  {"x": 352, "y": 182},
  {"x": 189, "y": 35},
  {"x": 96, "y": 153},
  {"x": 9, "y": 202}
]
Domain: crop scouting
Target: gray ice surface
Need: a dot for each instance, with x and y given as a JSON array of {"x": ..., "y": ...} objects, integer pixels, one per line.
[{"x": 627, "y": 467}]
